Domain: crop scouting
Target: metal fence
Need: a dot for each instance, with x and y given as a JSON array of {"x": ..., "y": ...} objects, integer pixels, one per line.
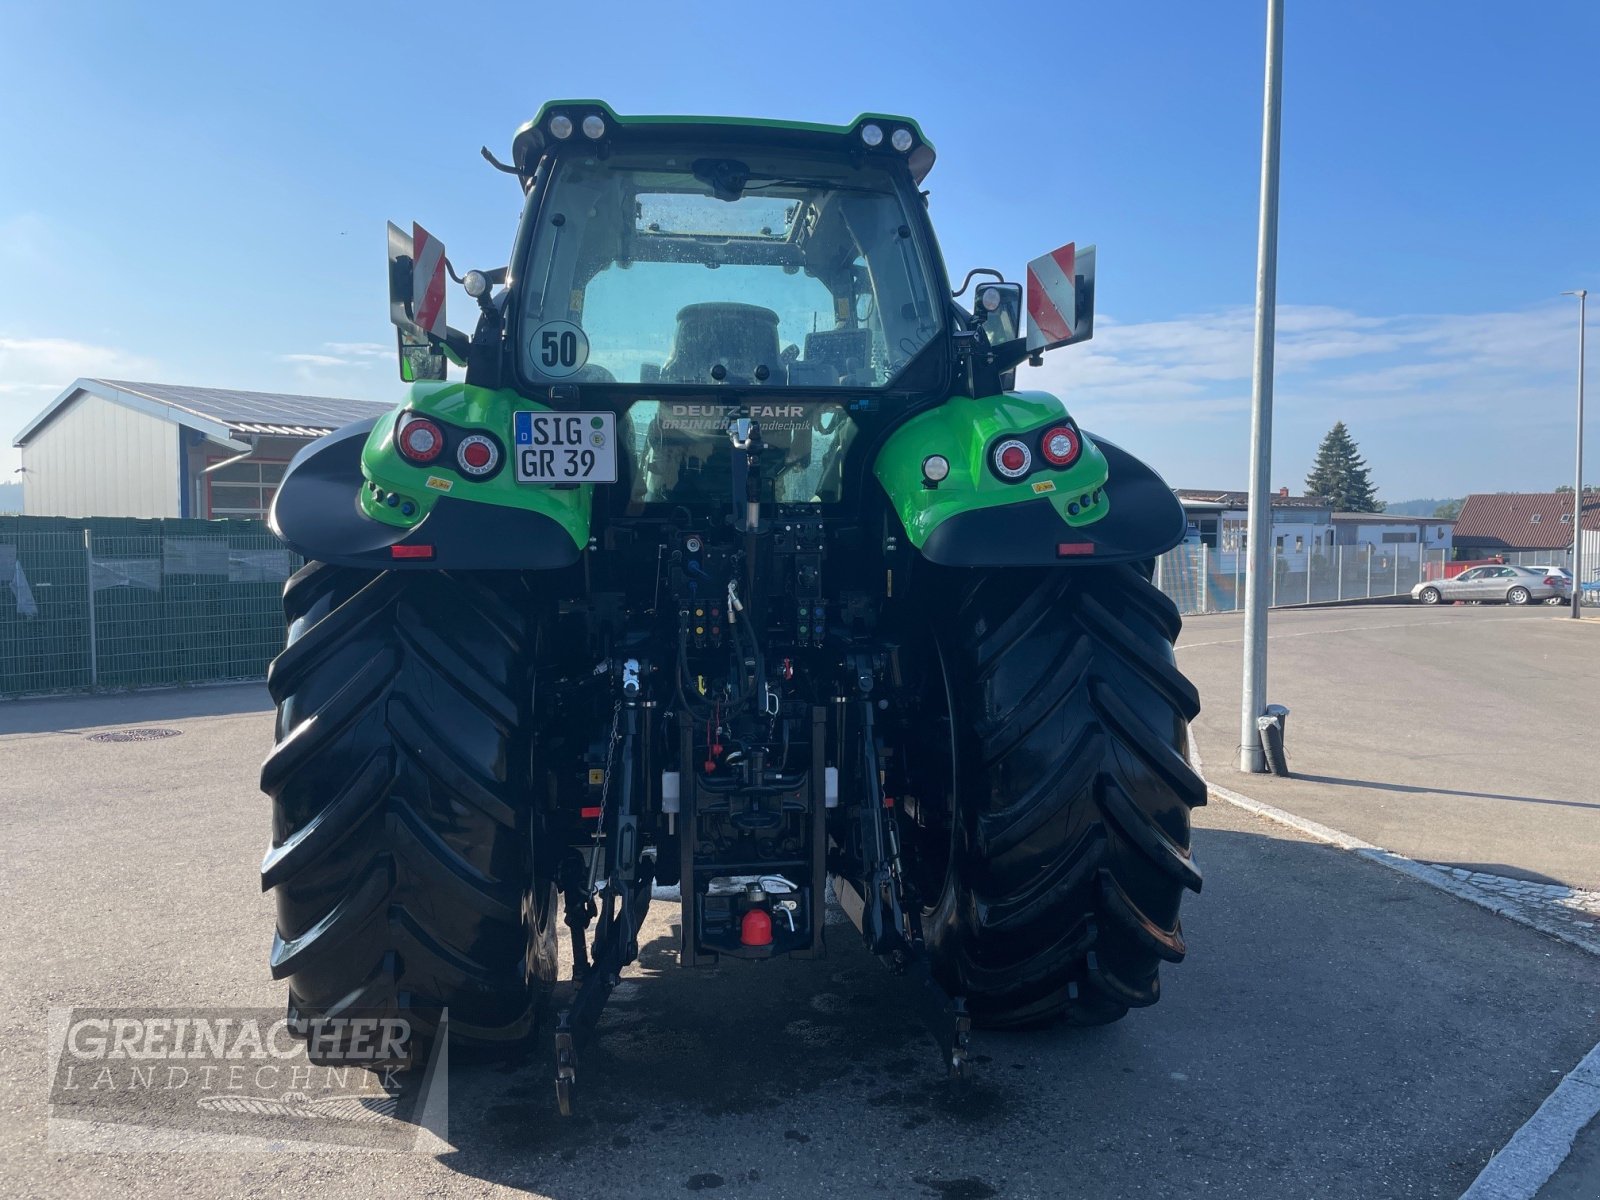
[
  {"x": 108, "y": 602},
  {"x": 1203, "y": 580},
  {"x": 105, "y": 602}
]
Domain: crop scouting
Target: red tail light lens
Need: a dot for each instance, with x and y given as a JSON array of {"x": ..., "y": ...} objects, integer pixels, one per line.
[
  {"x": 1061, "y": 445},
  {"x": 1012, "y": 459},
  {"x": 420, "y": 440},
  {"x": 477, "y": 456}
]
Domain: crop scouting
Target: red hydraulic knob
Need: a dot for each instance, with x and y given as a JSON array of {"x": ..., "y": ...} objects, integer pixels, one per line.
[{"x": 756, "y": 928}]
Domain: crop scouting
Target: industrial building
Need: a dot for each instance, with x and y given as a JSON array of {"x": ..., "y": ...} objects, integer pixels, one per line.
[
  {"x": 1301, "y": 525},
  {"x": 110, "y": 448},
  {"x": 1391, "y": 529}
]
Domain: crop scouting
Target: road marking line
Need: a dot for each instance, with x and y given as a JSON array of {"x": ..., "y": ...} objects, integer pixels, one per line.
[
  {"x": 1275, "y": 637},
  {"x": 1537, "y": 1149}
]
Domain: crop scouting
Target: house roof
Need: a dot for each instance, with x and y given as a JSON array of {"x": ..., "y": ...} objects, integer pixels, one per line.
[
  {"x": 221, "y": 413},
  {"x": 1201, "y": 498},
  {"x": 1379, "y": 518},
  {"x": 1524, "y": 520}
]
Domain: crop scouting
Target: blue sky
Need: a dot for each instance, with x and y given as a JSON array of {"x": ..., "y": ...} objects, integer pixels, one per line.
[{"x": 197, "y": 194}]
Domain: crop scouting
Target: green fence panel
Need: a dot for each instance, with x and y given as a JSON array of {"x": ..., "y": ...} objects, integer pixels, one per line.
[{"x": 120, "y": 602}]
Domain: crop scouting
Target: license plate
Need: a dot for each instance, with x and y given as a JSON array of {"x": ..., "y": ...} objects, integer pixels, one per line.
[{"x": 565, "y": 447}]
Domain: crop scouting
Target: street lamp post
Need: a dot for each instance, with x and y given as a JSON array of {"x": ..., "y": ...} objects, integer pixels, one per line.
[
  {"x": 1577, "y": 481},
  {"x": 1259, "y": 514}
]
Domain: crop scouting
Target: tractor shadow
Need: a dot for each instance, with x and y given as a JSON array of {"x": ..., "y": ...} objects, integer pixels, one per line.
[
  {"x": 676, "y": 1047},
  {"x": 1317, "y": 1042}
]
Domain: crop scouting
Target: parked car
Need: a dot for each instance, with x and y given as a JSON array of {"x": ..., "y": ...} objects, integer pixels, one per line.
[
  {"x": 1563, "y": 579},
  {"x": 1513, "y": 585}
]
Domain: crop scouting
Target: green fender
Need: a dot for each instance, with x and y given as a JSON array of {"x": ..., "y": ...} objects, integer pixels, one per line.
[
  {"x": 350, "y": 498},
  {"x": 1102, "y": 507}
]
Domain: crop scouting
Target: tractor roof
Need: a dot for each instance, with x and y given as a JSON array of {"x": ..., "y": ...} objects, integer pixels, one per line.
[{"x": 533, "y": 137}]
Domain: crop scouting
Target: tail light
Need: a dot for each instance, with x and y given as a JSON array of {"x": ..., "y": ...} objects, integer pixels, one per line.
[
  {"x": 477, "y": 456},
  {"x": 420, "y": 440},
  {"x": 1012, "y": 459},
  {"x": 1061, "y": 445}
]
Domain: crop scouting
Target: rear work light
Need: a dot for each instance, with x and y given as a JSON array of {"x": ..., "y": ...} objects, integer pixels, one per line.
[
  {"x": 1060, "y": 445},
  {"x": 420, "y": 440},
  {"x": 1012, "y": 459}
]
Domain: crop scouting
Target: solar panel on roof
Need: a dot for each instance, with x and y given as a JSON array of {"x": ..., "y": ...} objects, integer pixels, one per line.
[{"x": 268, "y": 409}]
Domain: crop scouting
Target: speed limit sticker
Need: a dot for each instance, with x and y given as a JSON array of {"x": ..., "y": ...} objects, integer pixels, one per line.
[{"x": 558, "y": 349}]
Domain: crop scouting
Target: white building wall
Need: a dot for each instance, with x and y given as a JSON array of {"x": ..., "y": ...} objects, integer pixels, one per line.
[
  {"x": 1435, "y": 535},
  {"x": 99, "y": 459}
]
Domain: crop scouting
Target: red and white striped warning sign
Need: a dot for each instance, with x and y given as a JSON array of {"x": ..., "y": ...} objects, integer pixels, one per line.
[
  {"x": 1053, "y": 316},
  {"x": 427, "y": 281},
  {"x": 1052, "y": 298}
]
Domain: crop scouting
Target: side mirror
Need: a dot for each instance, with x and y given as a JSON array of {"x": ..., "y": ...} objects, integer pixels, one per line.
[
  {"x": 416, "y": 302},
  {"x": 1060, "y": 298},
  {"x": 1000, "y": 305}
]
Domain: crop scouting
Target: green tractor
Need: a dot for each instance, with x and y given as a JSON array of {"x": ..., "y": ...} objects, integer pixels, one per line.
[{"x": 734, "y": 562}]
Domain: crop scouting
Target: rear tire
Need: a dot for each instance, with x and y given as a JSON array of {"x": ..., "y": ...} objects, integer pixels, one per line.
[
  {"x": 403, "y": 835},
  {"x": 1070, "y": 847},
  {"x": 1518, "y": 596}
]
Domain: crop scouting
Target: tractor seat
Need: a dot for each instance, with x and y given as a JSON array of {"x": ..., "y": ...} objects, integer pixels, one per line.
[{"x": 739, "y": 337}]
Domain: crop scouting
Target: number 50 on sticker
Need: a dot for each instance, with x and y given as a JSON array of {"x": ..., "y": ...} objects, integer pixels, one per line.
[{"x": 558, "y": 349}]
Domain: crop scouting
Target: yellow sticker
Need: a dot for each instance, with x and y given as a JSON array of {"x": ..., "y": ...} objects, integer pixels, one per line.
[
  {"x": 1043, "y": 486},
  {"x": 440, "y": 485},
  {"x": 597, "y": 776}
]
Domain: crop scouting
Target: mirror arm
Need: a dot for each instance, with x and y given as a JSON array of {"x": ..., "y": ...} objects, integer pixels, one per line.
[
  {"x": 498, "y": 165},
  {"x": 967, "y": 282}
]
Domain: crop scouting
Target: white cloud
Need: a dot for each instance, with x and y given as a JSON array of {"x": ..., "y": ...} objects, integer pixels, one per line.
[
  {"x": 342, "y": 354},
  {"x": 1331, "y": 351},
  {"x": 34, "y": 370},
  {"x": 360, "y": 349},
  {"x": 315, "y": 360},
  {"x": 1438, "y": 400},
  {"x": 31, "y": 366}
]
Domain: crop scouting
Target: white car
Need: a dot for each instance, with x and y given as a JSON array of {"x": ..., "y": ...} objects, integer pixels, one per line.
[{"x": 1565, "y": 586}]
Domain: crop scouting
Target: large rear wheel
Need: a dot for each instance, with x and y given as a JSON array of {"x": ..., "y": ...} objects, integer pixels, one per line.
[
  {"x": 405, "y": 853},
  {"x": 1067, "y": 845}
]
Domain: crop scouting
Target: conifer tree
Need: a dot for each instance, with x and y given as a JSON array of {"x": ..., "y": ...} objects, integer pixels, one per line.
[{"x": 1341, "y": 474}]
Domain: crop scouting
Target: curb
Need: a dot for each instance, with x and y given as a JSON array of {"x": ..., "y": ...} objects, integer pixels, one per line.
[
  {"x": 1396, "y": 862},
  {"x": 1521, "y": 1168}
]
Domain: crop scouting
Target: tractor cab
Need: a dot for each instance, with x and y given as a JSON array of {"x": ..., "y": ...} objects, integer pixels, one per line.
[
  {"x": 685, "y": 275},
  {"x": 680, "y": 266}
]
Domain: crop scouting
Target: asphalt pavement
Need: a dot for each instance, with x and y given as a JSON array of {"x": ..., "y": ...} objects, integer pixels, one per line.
[
  {"x": 1461, "y": 735},
  {"x": 1338, "y": 1030}
]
